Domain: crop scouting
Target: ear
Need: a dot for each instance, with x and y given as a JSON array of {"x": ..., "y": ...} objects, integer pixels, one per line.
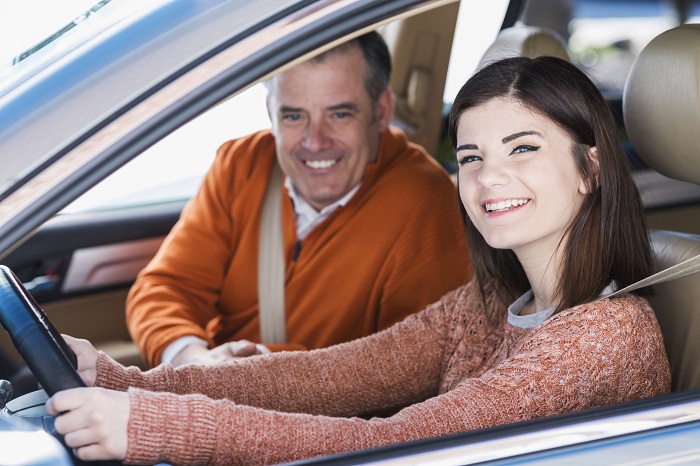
[
  {"x": 385, "y": 108},
  {"x": 589, "y": 185}
]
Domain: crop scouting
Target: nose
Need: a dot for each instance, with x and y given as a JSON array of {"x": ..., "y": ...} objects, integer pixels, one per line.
[
  {"x": 317, "y": 137},
  {"x": 492, "y": 173}
]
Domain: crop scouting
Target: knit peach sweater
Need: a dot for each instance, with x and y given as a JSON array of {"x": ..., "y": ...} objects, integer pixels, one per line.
[{"x": 451, "y": 366}]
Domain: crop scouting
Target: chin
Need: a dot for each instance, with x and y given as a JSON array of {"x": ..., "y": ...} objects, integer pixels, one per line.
[{"x": 502, "y": 243}]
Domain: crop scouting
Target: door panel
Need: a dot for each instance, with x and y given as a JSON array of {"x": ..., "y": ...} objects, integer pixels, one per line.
[{"x": 79, "y": 267}]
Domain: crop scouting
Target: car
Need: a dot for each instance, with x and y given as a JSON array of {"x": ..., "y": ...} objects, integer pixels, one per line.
[{"x": 107, "y": 126}]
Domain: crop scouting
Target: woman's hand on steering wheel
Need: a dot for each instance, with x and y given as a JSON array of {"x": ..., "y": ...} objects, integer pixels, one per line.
[
  {"x": 93, "y": 421},
  {"x": 87, "y": 358}
]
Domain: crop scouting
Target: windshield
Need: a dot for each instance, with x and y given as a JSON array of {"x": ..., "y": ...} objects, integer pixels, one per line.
[
  {"x": 24, "y": 35},
  {"x": 36, "y": 33}
]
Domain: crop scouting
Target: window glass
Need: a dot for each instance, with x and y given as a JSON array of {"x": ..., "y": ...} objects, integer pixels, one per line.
[
  {"x": 471, "y": 40},
  {"x": 605, "y": 36},
  {"x": 21, "y": 28},
  {"x": 173, "y": 168}
]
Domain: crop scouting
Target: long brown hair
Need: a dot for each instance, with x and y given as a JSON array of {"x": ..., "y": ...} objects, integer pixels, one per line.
[{"x": 607, "y": 239}]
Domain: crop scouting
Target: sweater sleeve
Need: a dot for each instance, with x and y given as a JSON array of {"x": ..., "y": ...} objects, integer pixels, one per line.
[
  {"x": 385, "y": 371},
  {"x": 593, "y": 356},
  {"x": 176, "y": 294}
]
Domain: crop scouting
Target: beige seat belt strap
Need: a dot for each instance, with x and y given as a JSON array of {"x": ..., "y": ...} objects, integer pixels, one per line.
[
  {"x": 683, "y": 269},
  {"x": 271, "y": 263}
]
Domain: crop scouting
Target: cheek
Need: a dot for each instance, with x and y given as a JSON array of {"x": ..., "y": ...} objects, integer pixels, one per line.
[
  {"x": 287, "y": 143},
  {"x": 465, "y": 182},
  {"x": 466, "y": 195}
]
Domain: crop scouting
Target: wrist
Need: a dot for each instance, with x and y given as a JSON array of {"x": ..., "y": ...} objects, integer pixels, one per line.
[
  {"x": 178, "y": 345},
  {"x": 189, "y": 353}
]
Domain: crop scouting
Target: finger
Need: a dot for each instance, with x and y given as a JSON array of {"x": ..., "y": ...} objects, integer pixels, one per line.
[
  {"x": 243, "y": 348},
  {"x": 73, "y": 343},
  {"x": 71, "y": 421},
  {"x": 80, "y": 438},
  {"x": 65, "y": 400},
  {"x": 93, "y": 452}
]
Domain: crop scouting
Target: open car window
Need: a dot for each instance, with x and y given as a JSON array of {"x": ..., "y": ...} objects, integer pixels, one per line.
[{"x": 173, "y": 168}]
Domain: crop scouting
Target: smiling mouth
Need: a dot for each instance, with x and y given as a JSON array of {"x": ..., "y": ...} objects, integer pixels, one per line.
[
  {"x": 319, "y": 164},
  {"x": 503, "y": 206}
]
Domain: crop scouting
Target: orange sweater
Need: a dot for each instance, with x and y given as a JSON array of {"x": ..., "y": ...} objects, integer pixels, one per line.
[
  {"x": 457, "y": 369},
  {"x": 397, "y": 246}
]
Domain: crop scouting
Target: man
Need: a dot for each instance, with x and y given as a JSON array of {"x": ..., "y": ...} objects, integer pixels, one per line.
[{"x": 370, "y": 224}]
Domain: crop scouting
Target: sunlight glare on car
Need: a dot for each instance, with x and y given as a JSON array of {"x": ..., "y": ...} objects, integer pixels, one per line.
[{"x": 25, "y": 24}]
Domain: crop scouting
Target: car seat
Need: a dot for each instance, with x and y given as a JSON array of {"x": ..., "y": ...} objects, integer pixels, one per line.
[
  {"x": 661, "y": 105},
  {"x": 526, "y": 41}
]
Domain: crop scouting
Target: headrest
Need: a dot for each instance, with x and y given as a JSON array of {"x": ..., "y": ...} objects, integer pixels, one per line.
[
  {"x": 525, "y": 41},
  {"x": 661, "y": 105}
]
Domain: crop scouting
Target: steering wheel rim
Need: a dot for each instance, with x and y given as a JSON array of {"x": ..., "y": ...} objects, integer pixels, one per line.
[{"x": 43, "y": 349}]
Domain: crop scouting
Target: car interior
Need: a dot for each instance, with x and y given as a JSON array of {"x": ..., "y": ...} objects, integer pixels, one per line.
[
  {"x": 79, "y": 266},
  {"x": 661, "y": 116}
]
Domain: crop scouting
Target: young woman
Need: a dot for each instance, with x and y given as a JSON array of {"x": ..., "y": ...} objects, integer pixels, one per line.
[{"x": 553, "y": 221}]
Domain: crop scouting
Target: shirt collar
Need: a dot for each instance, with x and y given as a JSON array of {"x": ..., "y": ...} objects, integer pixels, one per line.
[
  {"x": 307, "y": 217},
  {"x": 538, "y": 318}
]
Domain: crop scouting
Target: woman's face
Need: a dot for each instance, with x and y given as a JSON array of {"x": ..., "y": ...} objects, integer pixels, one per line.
[{"x": 517, "y": 177}]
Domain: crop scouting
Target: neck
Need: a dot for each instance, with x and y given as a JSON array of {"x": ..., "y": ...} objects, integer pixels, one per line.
[{"x": 542, "y": 272}]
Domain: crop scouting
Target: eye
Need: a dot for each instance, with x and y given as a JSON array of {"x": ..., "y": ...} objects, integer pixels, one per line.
[
  {"x": 341, "y": 116},
  {"x": 291, "y": 117},
  {"x": 524, "y": 148},
  {"x": 468, "y": 159}
]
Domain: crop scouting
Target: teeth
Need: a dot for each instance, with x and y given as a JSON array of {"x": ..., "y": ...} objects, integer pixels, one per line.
[
  {"x": 318, "y": 164},
  {"x": 504, "y": 205}
]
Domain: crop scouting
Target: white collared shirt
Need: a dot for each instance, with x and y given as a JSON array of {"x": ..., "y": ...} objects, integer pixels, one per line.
[{"x": 307, "y": 218}]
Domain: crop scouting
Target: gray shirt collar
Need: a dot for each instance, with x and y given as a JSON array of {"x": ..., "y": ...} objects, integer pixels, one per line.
[{"x": 538, "y": 318}]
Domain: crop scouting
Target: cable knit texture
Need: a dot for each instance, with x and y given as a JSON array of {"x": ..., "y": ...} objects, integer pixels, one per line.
[{"x": 451, "y": 366}]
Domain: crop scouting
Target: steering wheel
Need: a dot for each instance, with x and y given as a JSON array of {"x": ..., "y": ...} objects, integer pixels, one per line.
[{"x": 44, "y": 350}]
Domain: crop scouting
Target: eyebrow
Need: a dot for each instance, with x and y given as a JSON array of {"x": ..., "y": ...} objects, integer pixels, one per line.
[
  {"x": 288, "y": 109},
  {"x": 344, "y": 106},
  {"x": 466, "y": 147},
  {"x": 514, "y": 136},
  {"x": 505, "y": 140},
  {"x": 332, "y": 108}
]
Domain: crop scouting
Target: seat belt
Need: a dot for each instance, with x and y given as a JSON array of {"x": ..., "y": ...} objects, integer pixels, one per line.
[
  {"x": 680, "y": 270},
  {"x": 271, "y": 263}
]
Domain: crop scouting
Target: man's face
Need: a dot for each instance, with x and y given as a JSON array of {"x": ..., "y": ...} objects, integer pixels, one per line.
[{"x": 325, "y": 125}]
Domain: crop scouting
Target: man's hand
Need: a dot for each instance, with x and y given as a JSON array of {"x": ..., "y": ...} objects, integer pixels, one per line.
[
  {"x": 93, "y": 421},
  {"x": 197, "y": 354},
  {"x": 87, "y": 358}
]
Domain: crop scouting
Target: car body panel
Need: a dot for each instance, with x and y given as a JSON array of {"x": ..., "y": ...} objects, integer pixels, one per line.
[{"x": 579, "y": 438}]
